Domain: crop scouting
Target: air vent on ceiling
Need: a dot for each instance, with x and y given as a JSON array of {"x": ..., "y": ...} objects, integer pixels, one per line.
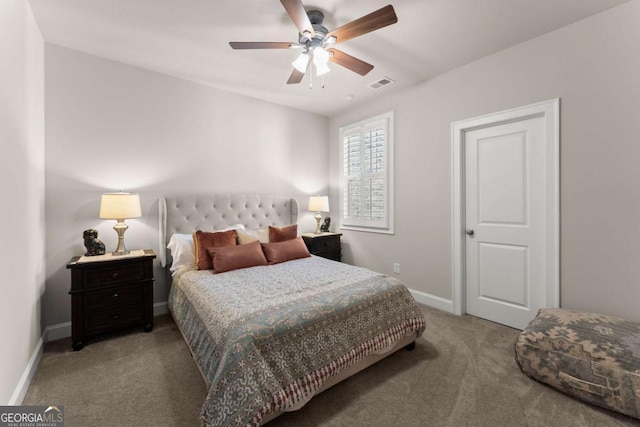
[{"x": 385, "y": 81}]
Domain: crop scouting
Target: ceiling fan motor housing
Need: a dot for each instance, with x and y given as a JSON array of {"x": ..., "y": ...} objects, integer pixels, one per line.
[{"x": 317, "y": 18}]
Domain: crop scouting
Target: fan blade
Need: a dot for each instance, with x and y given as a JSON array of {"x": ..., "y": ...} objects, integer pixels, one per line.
[
  {"x": 298, "y": 15},
  {"x": 261, "y": 45},
  {"x": 371, "y": 22},
  {"x": 350, "y": 62},
  {"x": 295, "y": 77}
]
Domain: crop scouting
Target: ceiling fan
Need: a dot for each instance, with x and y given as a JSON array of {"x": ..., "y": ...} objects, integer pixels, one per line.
[{"x": 315, "y": 40}]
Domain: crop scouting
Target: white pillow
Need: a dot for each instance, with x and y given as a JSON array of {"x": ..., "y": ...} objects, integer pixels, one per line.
[
  {"x": 183, "y": 249},
  {"x": 248, "y": 236}
]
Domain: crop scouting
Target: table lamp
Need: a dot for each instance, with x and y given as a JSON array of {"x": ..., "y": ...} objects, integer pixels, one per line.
[
  {"x": 318, "y": 204},
  {"x": 120, "y": 206}
]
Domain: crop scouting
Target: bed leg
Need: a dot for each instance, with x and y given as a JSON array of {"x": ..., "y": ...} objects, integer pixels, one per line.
[{"x": 410, "y": 347}]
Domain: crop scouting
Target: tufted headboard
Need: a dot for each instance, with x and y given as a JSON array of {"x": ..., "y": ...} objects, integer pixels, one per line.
[{"x": 209, "y": 212}]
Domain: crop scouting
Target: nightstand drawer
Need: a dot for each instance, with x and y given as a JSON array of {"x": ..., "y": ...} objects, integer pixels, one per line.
[
  {"x": 105, "y": 276},
  {"x": 326, "y": 244},
  {"x": 115, "y": 297},
  {"x": 105, "y": 320}
]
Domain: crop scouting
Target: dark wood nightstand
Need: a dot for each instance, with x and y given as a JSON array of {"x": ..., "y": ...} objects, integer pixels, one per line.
[
  {"x": 109, "y": 294},
  {"x": 326, "y": 245}
]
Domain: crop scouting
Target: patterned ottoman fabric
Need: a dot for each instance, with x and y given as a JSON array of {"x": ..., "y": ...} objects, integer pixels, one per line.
[{"x": 590, "y": 356}]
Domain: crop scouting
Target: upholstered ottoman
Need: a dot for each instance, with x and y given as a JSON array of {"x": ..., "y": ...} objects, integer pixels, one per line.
[{"x": 593, "y": 357}]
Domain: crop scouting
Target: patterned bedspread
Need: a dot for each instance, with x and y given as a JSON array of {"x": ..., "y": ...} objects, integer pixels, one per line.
[{"x": 266, "y": 338}]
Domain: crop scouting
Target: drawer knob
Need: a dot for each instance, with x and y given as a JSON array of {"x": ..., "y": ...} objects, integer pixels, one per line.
[
  {"x": 115, "y": 317},
  {"x": 115, "y": 295},
  {"x": 115, "y": 275}
]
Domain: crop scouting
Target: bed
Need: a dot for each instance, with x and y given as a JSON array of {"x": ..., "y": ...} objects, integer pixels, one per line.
[{"x": 268, "y": 338}]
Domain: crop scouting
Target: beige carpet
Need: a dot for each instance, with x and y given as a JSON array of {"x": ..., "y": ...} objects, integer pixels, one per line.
[{"x": 462, "y": 373}]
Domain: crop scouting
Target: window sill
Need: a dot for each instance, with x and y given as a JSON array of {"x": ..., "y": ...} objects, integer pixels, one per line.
[{"x": 367, "y": 229}]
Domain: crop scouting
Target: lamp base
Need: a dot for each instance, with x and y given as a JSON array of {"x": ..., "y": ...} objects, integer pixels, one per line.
[
  {"x": 120, "y": 228},
  {"x": 318, "y": 218}
]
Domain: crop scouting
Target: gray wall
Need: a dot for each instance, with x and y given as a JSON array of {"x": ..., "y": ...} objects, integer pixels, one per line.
[
  {"x": 22, "y": 191},
  {"x": 110, "y": 126},
  {"x": 593, "y": 67}
]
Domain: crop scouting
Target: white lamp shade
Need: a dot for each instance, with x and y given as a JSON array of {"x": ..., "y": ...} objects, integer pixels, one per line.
[
  {"x": 319, "y": 203},
  {"x": 320, "y": 60},
  {"x": 320, "y": 56},
  {"x": 322, "y": 69},
  {"x": 301, "y": 62},
  {"x": 120, "y": 206}
]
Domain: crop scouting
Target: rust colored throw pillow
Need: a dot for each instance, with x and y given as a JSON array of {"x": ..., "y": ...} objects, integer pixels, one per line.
[
  {"x": 277, "y": 234},
  {"x": 227, "y": 258},
  {"x": 285, "y": 251},
  {"x": 203, "y": 240}
]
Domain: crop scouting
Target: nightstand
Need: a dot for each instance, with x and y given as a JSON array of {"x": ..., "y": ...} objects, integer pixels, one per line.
[
  {"x": 110, "y": 292},
  {"x": 326, "y": 245}
]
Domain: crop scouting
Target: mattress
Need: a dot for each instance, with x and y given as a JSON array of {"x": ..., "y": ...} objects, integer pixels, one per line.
[{"x": 267, "y": 338}]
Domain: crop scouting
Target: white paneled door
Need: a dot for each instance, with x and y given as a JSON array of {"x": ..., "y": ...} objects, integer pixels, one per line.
[{"x": 505, "y": 219}]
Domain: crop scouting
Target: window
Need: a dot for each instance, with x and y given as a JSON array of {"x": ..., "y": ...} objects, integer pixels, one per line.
[{"x": 366, "y": 175}]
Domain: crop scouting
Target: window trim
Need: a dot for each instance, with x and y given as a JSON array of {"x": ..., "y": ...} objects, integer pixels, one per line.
[{"x": 389, "y": 174}]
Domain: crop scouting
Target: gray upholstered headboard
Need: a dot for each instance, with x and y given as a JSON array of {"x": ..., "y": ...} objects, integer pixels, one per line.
[{"x": 209, "y": 212}]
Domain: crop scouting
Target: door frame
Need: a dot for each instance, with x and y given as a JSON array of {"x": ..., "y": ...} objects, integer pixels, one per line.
[{"x": 550, "y": 112}]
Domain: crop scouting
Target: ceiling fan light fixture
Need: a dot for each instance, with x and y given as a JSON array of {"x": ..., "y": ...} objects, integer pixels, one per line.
[
  {"x": 320, "y": 60},
  {"x": 302, "y": 62},
  {"x": 322, "y": 69},
  {"x": 320, "y": 56}
]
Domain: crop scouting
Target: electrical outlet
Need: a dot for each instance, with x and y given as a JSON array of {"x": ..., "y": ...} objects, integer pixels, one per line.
[{"x": 396, "y": 267}]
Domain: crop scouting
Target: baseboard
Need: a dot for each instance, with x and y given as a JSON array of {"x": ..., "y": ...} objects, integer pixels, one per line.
[
  {"x": 160, "y": 308},
  {"x": 432, "y": 300},
  {"x": 25, "y": 380},
  {"x": 57, "y": 332}
]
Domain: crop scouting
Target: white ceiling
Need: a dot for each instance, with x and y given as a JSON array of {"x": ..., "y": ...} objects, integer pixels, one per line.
[{"x": 189, "y": 39}]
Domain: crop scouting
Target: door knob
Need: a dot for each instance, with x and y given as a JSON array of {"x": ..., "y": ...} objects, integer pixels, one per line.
[{"x": 469, "y": 231}]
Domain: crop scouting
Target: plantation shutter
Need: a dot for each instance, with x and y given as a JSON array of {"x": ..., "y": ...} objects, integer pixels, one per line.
[{"x": 365, "y": 169}]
